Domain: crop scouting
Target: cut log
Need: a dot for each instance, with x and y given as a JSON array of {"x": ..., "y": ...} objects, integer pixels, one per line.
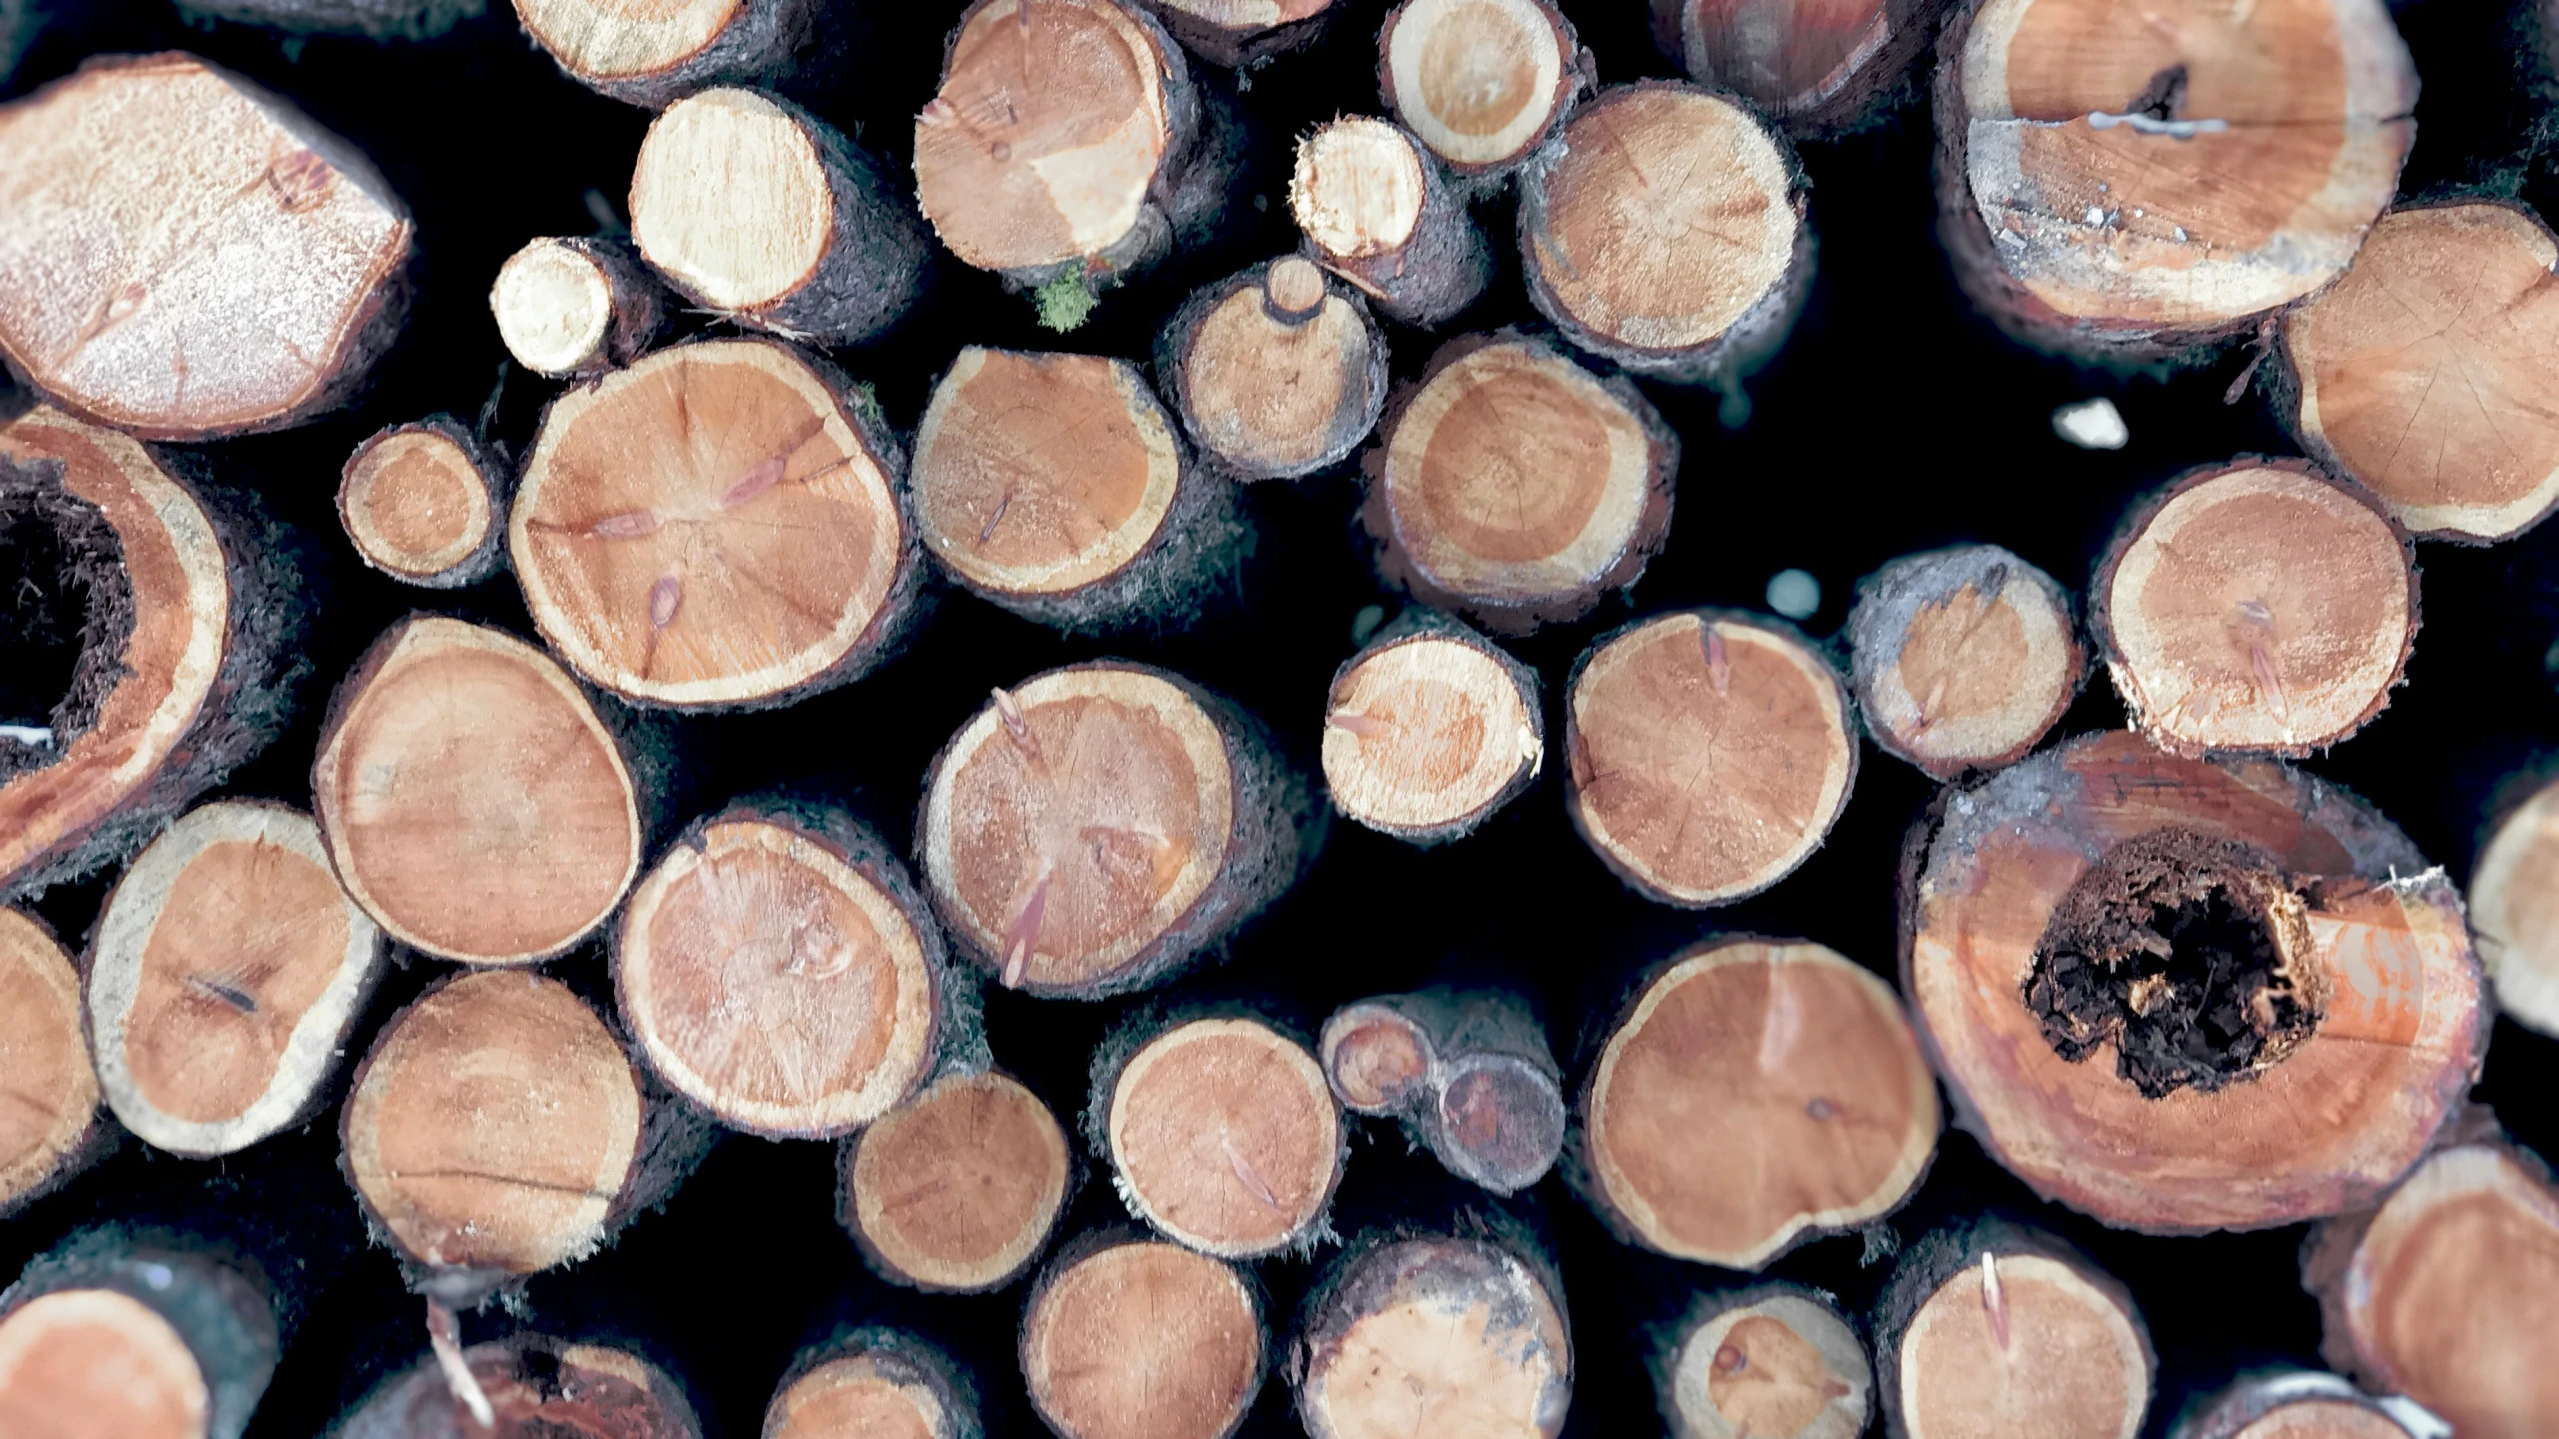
[
  {"x": 2461, "y": 290},
  {"x": 1669, "y": 236},
  {"x": 536, "y": 1387},
  {"x": 2444, "y": 1293},
  {"x": 2238, "y": 947},
  {"x": 571, "y": 308},
  {"x": 1276, "y": 372},
  {"x": 55, "y": 1132},
  {"x": 1777, "y": 1361},
  {"x": 1132, "y": 1339},
  {"x": 180, "y": 610},
  {"x": 425, "y": 503},
  {"x": 474, "y": 803},
  {"x": 1709, "y": 754},
  {"x": 655, "y": 54},
  {"x": 1429, "y": 729},
  {"x": 2126, "y": 185},
  {"x": 226, "y": 973},
  {"x": 1485, "y": 84},
  {"x": 873, "y": 1384},
  {"x": 1240, "y": 33},
  {"x": 2003, "y": 1333},
  {"x": 373, "y": 19},
  {"x": 1468, "y": 1072},
  {"x": 2512, "y": 912},
  {"x": 1754, "y": 1095},
  {"x": 1518, "y": 487},
  {"x": 958, "y": 1190},
  {"x": 1054, "y": 485},
  {"x": 1220, "y": 1132},
  {"x": 2256, "y": 605},
  {"x": 2300, "y": 1404},
  {"x": 132, "y": 198},
  {"x": 1433, "y": 1334},
  {"x": 767, "y": 216},
  {"x": 1099, "y": 827},
  {"x": 136, "y": 1335},
  {"x": 1963, "y": 658},
  {"x": 1816, "y": 70},
  {"x": 716, "y": 527},
  {"x": 1376, "y": 210}
]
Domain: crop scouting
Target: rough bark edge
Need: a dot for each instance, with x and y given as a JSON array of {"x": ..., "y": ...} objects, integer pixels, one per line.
[
  {"x": 1576, "y": 79},
  {"x": 220, "y": 1303},
  {"x": 1173, "y": 348},
  {"x": 1419, "y": 622},
  {"x": 1241, "y": 47},
  {"x": 1112, "y": 1236},
  {"x": 638, "y": 298},
  {"x": 382, "y": 20},
  {"x": 1444, "y": 266},
  {"x": 1872, "y": 88},
  {"x": 914, "y": 1359},
  {"x": 847, "y": 1214},
  {"x": 1663, "y": 1343},
  {"x": 753, "y": 48},
  {"x": 379, "y": 1412},
  {"x": 1891, "y": 585},
  {"x": 1458, "y": 1025},
  {"x": 2254, "y": 1396},
  {"x": 495, "y": 478},
  {"x": 101, "y": 1137}
]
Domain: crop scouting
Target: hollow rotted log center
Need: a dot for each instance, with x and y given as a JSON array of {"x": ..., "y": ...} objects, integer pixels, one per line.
[
  {"x": 66, "y": 611},
  {"x": 2189, "y": 953}
]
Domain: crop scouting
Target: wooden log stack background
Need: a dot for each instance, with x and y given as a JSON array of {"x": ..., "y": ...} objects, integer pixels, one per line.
[{"x": 808, "y": 718}]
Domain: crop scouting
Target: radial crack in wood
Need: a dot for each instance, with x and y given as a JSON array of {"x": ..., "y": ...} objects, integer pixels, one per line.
[
  {"x": 425, "y": 503},
  {"x": 958, "y": 1189},
  {"x": 1963, "y": 658},
  {"x": 1434, "y": 1334},
  {"x": 1376, "y": 210},
  {"x": 1430, "y": 729},
  {"x": 1222, "y": 1134},
  {"x": 1142, "y": 1340},
  {"x": 1275, "y": 372},
  {"x": 1484, "y": 83},
  {"x": 1776, "y": 1362},
  {"x": 2007, "y": 1334},
  {"x": 537, "y": 1388},
  {"x": 652, "y": 54},
  {"x": 49, "y": 1117},
  {"x": 573, "y": 307}
]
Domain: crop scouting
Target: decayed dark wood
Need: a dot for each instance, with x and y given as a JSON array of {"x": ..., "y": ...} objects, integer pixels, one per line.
[
  {"x": 58, "y": 1130},
  {"x": 873, "y": 1383},
  {"x": 958, "y": 1189},
  {"x": 1814, "y": 69},
  {"x": 1138, "y": 1339},
  {"x": 574, "y": 307},
  {"x": 1276, "y": 372},
  {"x": 1963, "y": 658},
  {"x": 136, "y": 1333},
  {"x": 1467, "y": 1071},
  {"x": 1998, "y": 1332},
  {"x": 1433, "y": 1334},
  {"x": 1376, "y": 210},
  {"x": 2512, "y": 885},
  {"x": 1430, "y": 729},
  {"x": 1775, "y": 1360},
  {"x": 1485, "y": 84},
  {"x": 537, "y": 1387},
  {"x": 2291, "y": 1404},
  {"x": 656, "y": 54},
  {"x": 425, "y": 503}
]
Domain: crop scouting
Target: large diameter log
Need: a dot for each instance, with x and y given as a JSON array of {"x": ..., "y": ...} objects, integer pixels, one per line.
[
  {"x": 1486, "y": 84},
  {"x": 654, "y": 54},
  {"x": 575, "y": 307},
  {"x": 1963, "y": 658},
  {"x": 874, "y": 1383},
  {"x": 425, "y": 503},
  {"x": 1430, "y": 729},
  {"x": 2181, "y": 995},
  {"x": 1814, "y": 69},
  {"x": 1777, "y": 1360},
  {"x": 1134, "y": 1339},
  {"x": 474, "y": 802},
  {"x": 1517, "y": 487},
  {"x": 1650, "y": 703},
  {"x": 55, "y": 1132},
  {"x": 137, "y": 1335},
  {"x": 536, "y": 1387},
  {"x": 1468, "y": 1072},
  {"x": 1433, "y": 1334},
  {"x": 958, "y": 1190},
  {"x": 1376, "y": 210},
  {"x": 186, "y": 608},
  {"x": 1276, "y": 372},
  {"x": 2127, "y": 184},
  {"x": 1099, "y": 827},
  {"x": 132, "y": 198},
  {"x": 2300, "y": 1404},
  {"x": 2512, "y": 911},
  {"x": 2001, "y": 1333},
  {"x": 2256, "y": 605},
  {"x": 759, "y": 554},
  {"x": 226, "y": 973}
]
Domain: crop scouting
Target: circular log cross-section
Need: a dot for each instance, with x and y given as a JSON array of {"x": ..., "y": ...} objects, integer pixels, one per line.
[
  {"x": 1777, "y": 1363},
  {"x": 1434, "y": 1335},
  {"x": 422, "y": 503},
  {"x": 494, "y": 1126},
  {"x": 1754, "y": 1095},
  {"x": 2015, "y": 1344},
  {"x": 1484, "y": 83},
  {"x": 2302, "y": 1404},
  {"x": 2128, "y": 182},
  {"x": 781, "y": 972},
  {"x": 958, "y": 1190},
  {"x": 473, "y": 802},
  {"x": 570, "y": 308},
  {"x": 1648, "y": 708},
  {"x": 1377, "y": 1058},
  {"x": 1963, "y": 658},
  {"x": 2256, "y": 606},
  {"x": 2445, "y": 290},
  {"x": 1429, "y": 730},
  {"x": 879, "y": 1385},
  {"x": 1275, "y": 373},
  {"x": 653, "y": 53},
  {"x": 1518, "y": 487},
  {"x": 48, "y": 1137},
  {"x": 1376, "y": 211},
  {"x": 131, "y": 197},
  {"x": 1224, "y": 1135},
  {"x": 225, "y": 974},
  {"x": 1814, "y": 69},
  {"x": 537, "y": 1388},
  {"x": 2102, "y": 900},
  {"x": 2514, "y": 911},
  {"x": 99, "y": 1364},
  {"x": 1142, "y": 1341},
  {"x": 714, "y": 527}
]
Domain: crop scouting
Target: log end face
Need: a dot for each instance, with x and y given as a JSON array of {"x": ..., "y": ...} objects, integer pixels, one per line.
[
  {"x": 860, "y": 1395},
  {"x": 959, "y": 1189},
  {"x": 1142, "y": 1341},
  {"x": 2512, "y": 889},
  {"x": 40, "y": 1030},
  {"x": 108, "y": 1359},
  {"x": 1480, "y": 82},
  {"x": 416, "y": 503},
  {"x": 1224, "y": 1135},
  {"x": 1284, "y": 377},
  {"x": 1428, "y": 736},
  {"x": 1435, "y": 1335},
  {"x": 554, "y": 308},
  {"x": 730, "y": 200},
  {"x": 1358, "y": 188},
  {"x": 1501, "y": 1123},
  {"x": 1964, "y": 659},
  {"x": 2021, "y": 1343},
  {"x": 608, "y": 42},
  {"x": 1377, "y": 1060},
  {"x": 1783, "y": 1366}
]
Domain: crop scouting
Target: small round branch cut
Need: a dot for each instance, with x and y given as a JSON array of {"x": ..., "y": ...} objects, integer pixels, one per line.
[
  {"x": 2512, "y": 889},
  {"x": 1772, "y": 1361},
  {"x": 1815, "y": 69},
  {"x": 474, "y": 803},
  {"x": 958, "y": 1190},
  {"x": 2256, "y": 605},
  {"x": 132, "y": 196},
  {"x": 1142, "y": 1340},
  {"x": 572, "y": 308},
  {"x": 1376, "y": 210},
  {"x": 1486, "y": 84},
  {"x": 2299, "y": 1404},
  {"x": 1756, "y": 1094},
  {"x": 1098, "y": 827},
  {"x": 54, "y": 1131},
  {"x": 2465, "y": 290},
  {"x": 1963, "y": 658},
  {"x": 135, "y": 1334},
  {"x": 1518, "y": 487},
  {"x": 1669, "y": 236},
  {"x": 2002, "y": 1333},
  {"x": 227, "y": 971},
  {"x": 768, "y": 216},
  {"x": 1276, "y": 372},
  {"x": 1468, "y": 1072},
  {"x": 654, "y": 54},
  {"x": 872, "y": 1384},
  {"x": 1709, "y": 753},
  {"x": 537, "y": 1387},
  {"x": 2127, "y": 184},
  {"x": 1434, "y": 1334},
  {"x": 1429, "y": 729},
  {"x": 2186, "y": 920},
  {"x": 425, "y": 503},
  {"x": 718, "y": 526}
]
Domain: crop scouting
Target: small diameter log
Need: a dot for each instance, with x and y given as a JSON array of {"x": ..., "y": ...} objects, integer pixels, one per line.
[
  {"x": 226, "y": 973},
  {"x": 1429, "y": 729},
  {"x": 1963, "y": 658},
  {"x": 1485, "y": 84},
  {"x": 1777, "y": 1362},
  {"x": 1276, "y": 372},
  {"x": 1134, "y": 1339},
  {"x": 2003, "y": 1333},
  {"x": 55, "y": 1132},
  {"x": 1099, "y": 827},
  {"x": 1433, "y": 1334},
  {"x": 2512, "y": 889},
  {"x": 2460, "y": 289},
  {"x": 1376, "y": 210},
  {"x": 537, "y": 1387},
  {"x": 2257, "y": 605},
  {"x": 2180, "y": 995},
  {"x": 1755, "y": 1094},
  {"x": 1669, "y": 236},
  {"x": 185, "y": 607},
  {"x": 572, "y": 308},
  {"x": 654, "y": 55},
  {"x": 287, "y": 284},
  {"x": 2127, "y": 185},
  {"x": 958, "y": 1190},
  {"x": 1814, "y": 69},
  {"x": 873, "y": 1384},
  {"x": 1467, "y": 1071},
  {"x": 2302, "y": 1404},
  {"x": 135, "y": 1335},
  {"x": 716, "y": 527},
  {"x": 1645, "y": 708},
  {"x": 373, "y": 19},
  {"x": 425, "y": 503},
  {"x": 474, "y": 802},
  {"x": 1518, "y": 487},
  {"x": 1054, "y": 486}
]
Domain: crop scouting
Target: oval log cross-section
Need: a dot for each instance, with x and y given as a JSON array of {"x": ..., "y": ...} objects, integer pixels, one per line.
[
  {"x": 1433, "y": 1335},
  {"x": 1224, "y": 1135},
  {"x": 2005, "y": 1336},
  {"x": 1484, "y": 83},
  {"x": 958, "y": 1189},
  {"x": 1429, "y": 730},
  {"x": 1142, "y": 1340},
  {"x": 49, "y": 1136},
  {"x": 102, "y": 1361},
  {"x": 1776, "y": 1362},
  {"x": 422, "y": 503},
  {"x": 1963, "y": 658}
]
